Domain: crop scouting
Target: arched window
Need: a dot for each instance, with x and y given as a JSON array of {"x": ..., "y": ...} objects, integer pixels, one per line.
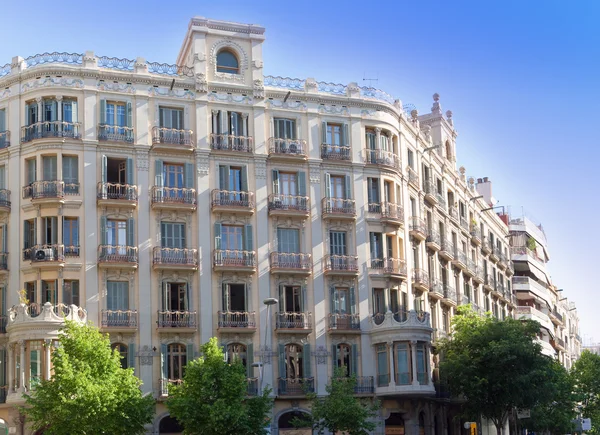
[
  {"x": 236, "y": 352},
  {"x": 227, "y": 62},
  {"x": 293, "y": 361},
  {"x": 343, "y": 358},
  {"x": 122, "y": 349},
  {"x": 448, "y": 150},
  {"x": 176, "y": 361},
  {"x": 285, "y": 422}
]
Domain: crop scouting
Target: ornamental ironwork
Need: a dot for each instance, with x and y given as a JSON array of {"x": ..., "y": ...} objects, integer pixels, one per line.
[
  {"x": 115, "y": 63},
  {"x": 56, "y": 57},
  {"x": 284, "y": 82},
  {"x": 170, "y": 70}
]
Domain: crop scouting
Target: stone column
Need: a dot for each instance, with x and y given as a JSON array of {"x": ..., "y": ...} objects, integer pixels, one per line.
[
  {"x": 413, "y": 356},
  {"x": 22, "y": 366},
  {"x": 11, "y": 367},
  {"x": 391, "y": 368},
  {"x": 47, "y": 345}
]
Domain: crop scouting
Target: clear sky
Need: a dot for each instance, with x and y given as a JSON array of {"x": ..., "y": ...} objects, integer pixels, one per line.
[{"x": 519, "y": 76}]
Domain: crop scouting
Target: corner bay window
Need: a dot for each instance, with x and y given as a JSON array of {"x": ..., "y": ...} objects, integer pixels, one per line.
[{"x": 409, "y": 360}]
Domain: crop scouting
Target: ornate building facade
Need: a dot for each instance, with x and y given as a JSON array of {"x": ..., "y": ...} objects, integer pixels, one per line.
[{"x": 308, "y": 225}]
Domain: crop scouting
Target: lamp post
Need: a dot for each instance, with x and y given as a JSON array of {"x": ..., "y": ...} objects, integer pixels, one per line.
[{"x": 268, "y": 302}]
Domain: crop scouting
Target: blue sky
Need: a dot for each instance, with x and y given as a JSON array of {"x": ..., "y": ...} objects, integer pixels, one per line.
[{"x": 519, "y": 76}]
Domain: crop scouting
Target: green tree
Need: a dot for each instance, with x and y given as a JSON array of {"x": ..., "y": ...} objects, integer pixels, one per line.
[
  {"x": 340, "y": 411},
  {"x": 213, "y": 397},
  {"x": 586, "y": 380},
  {"x": 89, "y": 393},
  {"x": 495, "y": 366}
]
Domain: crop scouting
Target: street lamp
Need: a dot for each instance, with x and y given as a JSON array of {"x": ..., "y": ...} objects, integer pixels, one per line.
[{"x": 268, "y": 302}]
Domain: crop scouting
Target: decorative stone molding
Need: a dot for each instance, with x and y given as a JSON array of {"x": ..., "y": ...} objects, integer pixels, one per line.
[
  {"x": 229, "y": 98},
  {"x": 280, "y": 104},
  {"x": 51, "y": 82},
  {"x": 146, "y": 355},
  {"x": 241, "y": 55},
  {"x": 124, "y": 88},
  {"x": 186, "y": 94},
  {"x": 321, "y": 354},
  {"x": 260, "y": 169},
  {"x": 142, "y": 161},
  {"x": 258, "y": 89},
  {"x": 315, "y": 175},
  {"x": 5, "y": 93},
  {"x": 201, "y": 83},
  {"x": 333, "y": 109}
]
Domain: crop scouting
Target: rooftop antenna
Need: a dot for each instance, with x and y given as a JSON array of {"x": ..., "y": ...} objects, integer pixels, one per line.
[{"x": 370, "y": 80}]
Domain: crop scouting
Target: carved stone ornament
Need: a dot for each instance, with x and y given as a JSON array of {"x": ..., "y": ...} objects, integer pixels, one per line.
[
  {"x": 266, "y": 354},
  {"x": 146, "y": 355},
  {"x": 258, "y": 89},
  {"x": 201, "y": 83},
  {"x": 321, "y": 354}
]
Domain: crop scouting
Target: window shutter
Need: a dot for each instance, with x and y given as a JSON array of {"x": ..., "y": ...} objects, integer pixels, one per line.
[
  {"x": 302, "y": 183},
  {"x": 103, "y": 234},
  {"x": 225, "y": 297},
  {"x": 328, "y": 185},
  {"x": 275, "y": 182},
  {"x": 248, "y": 238},
  {"x": 250, "y": 360},
  {"x": 129, "y": 171},
  {"x": 131, "y": 356},
  {"x": 332, "y": 299},
  {"x": 352, "y": 300},
  {"x": 130, "y": 232},
  {"x": 324, "y": 133},
  {"x": 26, "y": 241},
  {"x": 282, "y": 368},
  {"x": 27, "y": 117},
  {"x": 345, "y": 136},
  {"x": 217, "y": 235},
  {"x": 333, "y": 358},
  {"x": 244, "y": 179},
  {"x": 74, "y": 113},
  {"x": 158, "y": 173},
  {"x": 4, "y": 364},
  {"x": 102, "y": 111},
  {"x": 306, "y": 361},
  {"x": 163, "y": 363},
  {"x": 4, "y": 237},
  {"x": 129, "y": 115},
  {"x": 189, "y": 353},
  {"x": 189, "y": 175},
  {"x": 75, "y": 292},
  {"x": 103, "y": 169},
  {"x": 3, "y": 308},
  {"x": 281, "y": 299},
  {"x": 224, "y": 177},
  {"x": 348, "y": 187},
  {"x": 224, "y": 118},
  {"x": 354, "y": 361},
  {"x": 54, "y": 229},
  {"x": 304, "y": 300},
  {"x": 2, "y": 177},
  {"x": 2, "y": 120},
  {"x": 34, "y": 241}
]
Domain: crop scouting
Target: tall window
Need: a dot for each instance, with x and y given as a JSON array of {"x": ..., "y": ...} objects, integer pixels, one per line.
[
  {"x": 376, "y": 248},
  {"x": 175, "y": 296},
  {"x": 172, "y": 235},
  {"x": 421, "y": 363},
  {"x": 284, "y": 128},
  {"x": 292, "y": 299},
  {"x": 379, "y": 301},
  {"x": 35, "y": 362},
  {"x": 337, "y": 243},
  {"x": 236, "y": 124},
  {"x": 116, "y": 232},
  {"x": 341, "y": 300},
  {"x": 334, "y": 134},
  {"x": 70, "y": 174},
  {"x": 294, "y": 361},
  {"x": 117, "y": 295},
  {"x": 50, "y": 292},
  {"x": 236, "y": 352},
  {"x": 50, "y": 231},
  {"x": 123, "y": 353},
  {"x": 71, "y": 236},
  {"x": 49, "y": 171},
  {"x": 171, "y": 118},
  {"x": 71, "y": 292},
  {"x": 343, "y": 358},
  {"x": 227, "y": 62},
  {"x": 383, "y": 374},
  {"x": 371, "y": 139},
  {"x": 402, "y": 355},
  {"x": 31, "y": 168},
  {"x": 234, "y": 298},
  {"x": 30, "y": 290},
  {"x": 173, "y": 175},
  {"x": 232, "y": 238},
  {"x": 176, "y": 360},
  {"x": 288, "y": 183},
  {"x": 288, "y": 240},
  {"x": 116, "y": 113}
]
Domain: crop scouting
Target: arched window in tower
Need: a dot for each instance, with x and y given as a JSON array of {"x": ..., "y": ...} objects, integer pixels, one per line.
[
  {"x": 227, "y": 62},
  {"x": 448, "y": 150}
]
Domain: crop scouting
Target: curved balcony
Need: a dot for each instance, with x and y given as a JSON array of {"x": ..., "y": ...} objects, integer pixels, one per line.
[
  {"x": 449, "y": 295},
  {"x": 336, "y": 153},
  {"x": 49, "y": 192},
  {"x": 338, "y": 208},
  {"x": 420, "y": 279},
  {"x": 418, "y": 228},
  {"x": 382, "y": 158},
  {"x": 236, "y": 321},
  {"x": 172, "y": 139},
  {"x": 294, "y": 322},
  {"x": 530, "y": 313},
  {"x": 228, "y": 142},
  {"x": 341, "y": 265},
  {"x": 118, "y": 256},
  {"x": 234, "y": 261},
  {"x": 388, "y": 268},
  {"x": 4, "y": 139},
  {"x": 177, "y": 321},
  {"x": 117, "y": 194},
  {"x": 288, "y": 149},
  {"x": 446, "y": 249},
  {"x": 173, "y": 198},
  {"x": 174, "y": 258},
  {"x": 35, "y": 321},
  {"x": 45, "y": 256},
  {"x": 4, "y": 201},
  {"x": 433, "y": 241},
  {"x": 392, "y": 214},
  {"x": 289, "y": 205},
  {"x": 526, "y": 284},
  {"x": 50, "y": 129},
  {"x": 119, "y": 320},
  {"x": 232, "y": 201},
  {"x": 471, "y": 269},
  {"x": 291, "y": 262},
  {"x": 343, "y": 323},
  {"x": 115, "y": 133},
  {"x": 411, "y": 324}
]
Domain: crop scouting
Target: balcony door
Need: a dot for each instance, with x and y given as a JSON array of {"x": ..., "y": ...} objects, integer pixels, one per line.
[
  {"x": 234, "y": 298},
  {"x": 376, "y": 248},
  {"x": 49, "y": 171},
  {"x": 288, "y": 240},
  {"x": 284, "y": 128},
  {"x": 291, "y": 298},
  {"x": 50, "y": 292},
  {"x": 172, "y": 235},
  {"x": 175, "y": 296},
  {"x": 340, "y": 300},
  {"x": 116, "y": 237},
  {"x": 176, "y": 361},
  {"x": 117, "y": 296},
  {"x": 171, "y": 118},
  {"x": 345, "y": 357},
  {"x": 173, "y": 175},
  {"x": 294, "y": 362}
]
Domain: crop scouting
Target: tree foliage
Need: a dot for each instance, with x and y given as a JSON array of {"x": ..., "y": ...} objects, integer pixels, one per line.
[
  {"x": 586, "y": 378},
  {"x": 495, "y": 366},
  {"x": 213, "y": 397},
  {"x": 340, "y": 411},
  {"x": 89, "y": 392}
]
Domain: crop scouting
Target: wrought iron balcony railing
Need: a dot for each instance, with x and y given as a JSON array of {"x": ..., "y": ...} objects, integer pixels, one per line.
[
  {"x": 383, "y": 158},
  {"x": 237, "y": 319},
  {"x": 175, "y": 256},
  {"x": 296, "y": 387},
  {"x": 413, "y": 177},
  {"x": 433, "y": 237},
  {"x": 44, "y": 253},
  {"x": 447, "y": 246},
  {"x": 344, "y": 322},
  {"x": 453, "y": 212},
  {"x": 166, "y": 383},
  {"x": 173, "y": 195},
  {"x": 341, "y": 263},
  {"x": 119, "y": 318},
  {"x": 334, "y": 152},
  {"x": 50, "y": 129},
  {"x": 49, "y": 189},
  {"x": 115, "y": 133},
  {"x": 4, "y": 198},
  {"x": 449, "y": 292},
  {"x": 117, "y": 191},
  {"x": 338, "y": 206},
  {"x": 172, "y": 136},
  {"x": 288, "y": 202},
  {"x": 232, "y": 198},
  {"x": 388, "y": 265},
  {"x": 228, "y": 142},
  {"x": 293, "y": 320},
  {"x": 464, "y": 224},
  {"x": 117, "y": 254},
  {"x": 4, "y": 139},
  {"x": 287, "y": 147},
  {"x": 252, "y": 386},
  {"x": 420, "y": 276},
  {"x": 291, "y": 260},
  {"x": 176, "y": 319},
  {"x": 418, "y": 224},
  {"x": 390, "y": 210},
  {"x": 234, "y": 258}
]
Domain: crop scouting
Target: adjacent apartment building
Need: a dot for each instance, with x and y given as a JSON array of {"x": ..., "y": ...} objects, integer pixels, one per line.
[{"x": 308, "y": 225}]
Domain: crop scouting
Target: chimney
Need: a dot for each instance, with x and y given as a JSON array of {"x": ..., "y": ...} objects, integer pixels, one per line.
[{"x": 484, "y": 188}]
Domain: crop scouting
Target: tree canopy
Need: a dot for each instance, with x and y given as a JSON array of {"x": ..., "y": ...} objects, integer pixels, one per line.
[
  {"x": 340, "y": 411},
  {"x": 89, "y": 392},
  {"x": 495, "y": 366},
  {"x": 213, "y": 397},
  {"x": 586, "y": 379}
]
